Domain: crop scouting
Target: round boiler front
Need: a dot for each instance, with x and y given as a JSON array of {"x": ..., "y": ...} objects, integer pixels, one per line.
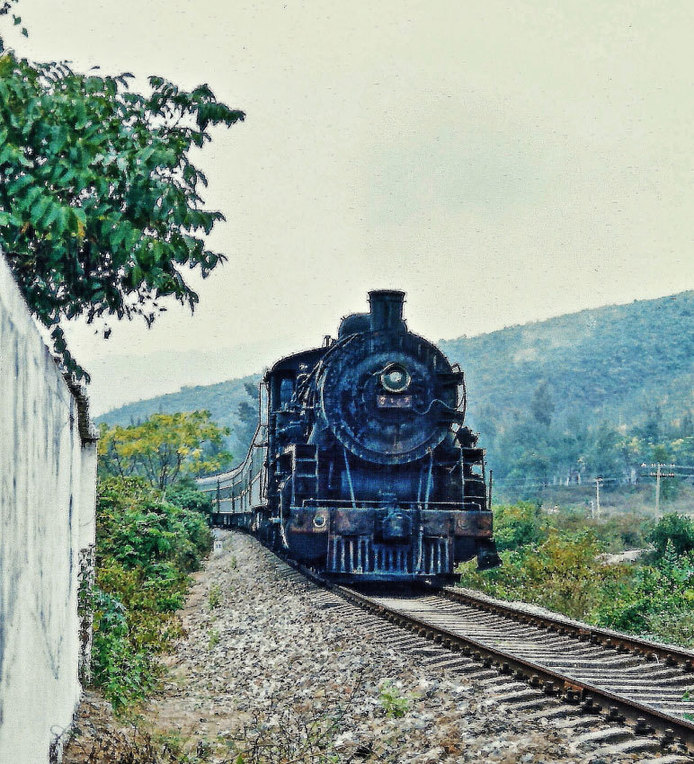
[{"x": 381, "y": 396}]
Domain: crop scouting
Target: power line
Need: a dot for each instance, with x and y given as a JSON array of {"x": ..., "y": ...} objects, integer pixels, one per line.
[{"x": 586, "y": 480}]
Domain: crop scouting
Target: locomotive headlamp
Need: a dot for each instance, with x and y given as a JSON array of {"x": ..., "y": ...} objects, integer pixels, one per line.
[{"x": 395, "y": 378}]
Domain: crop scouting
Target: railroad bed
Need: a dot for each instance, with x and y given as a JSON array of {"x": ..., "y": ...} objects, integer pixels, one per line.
[
  {"x": 651, "y": 685},
  {"x": 281, "y": 669}
]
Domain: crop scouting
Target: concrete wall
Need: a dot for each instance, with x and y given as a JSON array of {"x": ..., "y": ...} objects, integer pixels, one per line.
[{"x": 47, "y": 497}]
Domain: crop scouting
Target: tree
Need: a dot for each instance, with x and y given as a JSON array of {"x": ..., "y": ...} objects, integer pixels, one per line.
[
  {"x": 163, "y": 448},
  {"x": 603, "y": 456},
  {"x": 651, "y": 430},
  {"x": 100, "y": 206},
  {"x": 675, "y": 530},
  {"x": 518, "y": 524},
  {"x": 686, "y": 428},
  {"x": 542, "y": 405},
  {"x": 247, "y": 415}
]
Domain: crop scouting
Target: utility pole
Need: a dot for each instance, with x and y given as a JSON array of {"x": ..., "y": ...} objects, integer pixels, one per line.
[
  {"x": 598, "y": 483},
  {"x": 657, "y": 490},
  {"x": 659, "y": 475}
]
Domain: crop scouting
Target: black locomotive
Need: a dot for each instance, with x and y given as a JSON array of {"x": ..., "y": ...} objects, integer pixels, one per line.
[{"x": 361, "y": 465}]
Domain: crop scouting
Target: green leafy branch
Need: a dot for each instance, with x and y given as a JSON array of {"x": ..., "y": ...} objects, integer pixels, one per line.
[{"x": 100, "y": 205}]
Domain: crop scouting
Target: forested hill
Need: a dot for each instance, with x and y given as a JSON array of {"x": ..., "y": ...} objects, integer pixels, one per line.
[
  {"x": 614, "y": 363},
  {"x": 595, "y": 391},
  {"x": 230, "y": 404}
]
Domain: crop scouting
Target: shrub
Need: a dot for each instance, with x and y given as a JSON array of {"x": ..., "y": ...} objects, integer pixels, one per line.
[
  {"x": 616, "y": 531},
  {"x": 658, "y": 602},
  {"x": 565, "y": 573},
  {"x": 184, "y": 494},
  {"x": 518, "y": 524},
  {"x": 559, "y": 573},
  {"x": 146, "y": 546},
  {"x": 677, "y": 530}
]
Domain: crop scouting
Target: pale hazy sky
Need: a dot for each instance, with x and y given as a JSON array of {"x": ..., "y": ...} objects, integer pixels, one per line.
[{"x": 501, "y": 162}]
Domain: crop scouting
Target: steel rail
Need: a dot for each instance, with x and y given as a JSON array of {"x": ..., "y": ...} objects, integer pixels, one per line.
[
  {"x": 645, "y": 719},
  {"x": 587, "y": 697},
  {"x": 670, "y": 654}
]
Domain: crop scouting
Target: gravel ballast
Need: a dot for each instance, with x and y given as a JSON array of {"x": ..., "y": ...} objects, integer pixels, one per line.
[
  {"x": 279, "y": 669},
  {"x": 273, "y": 669}
]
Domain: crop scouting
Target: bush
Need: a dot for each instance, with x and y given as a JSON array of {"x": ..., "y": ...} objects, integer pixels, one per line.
[
  {"x": 617, "y": 532},
  {"x": 516, "y": 525},
  {"x": 139, "y": 528},
  {"x": 122, "y": 671},
  {"x": 676, "y": 530},
  {"x": 657, "y": 603},
  {"x": 560, "y": 574},
  {"x": 565, "y": 573},
  {"x": 146, "y": 546},
  {"x": 185, "y": 495}
]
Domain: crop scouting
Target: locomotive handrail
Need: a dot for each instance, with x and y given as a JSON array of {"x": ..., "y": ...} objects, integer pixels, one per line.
[
  {"x": 433, "y": 505},
  {"x": 431, "y": 405}
]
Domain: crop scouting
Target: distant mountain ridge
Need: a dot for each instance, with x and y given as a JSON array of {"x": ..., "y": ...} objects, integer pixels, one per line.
[
  {"x": 221, "y": 400},
  {"x": 610, "y": 364}
]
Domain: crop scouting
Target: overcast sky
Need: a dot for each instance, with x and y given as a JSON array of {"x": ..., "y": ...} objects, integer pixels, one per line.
[{"x": 501, "y": 162}]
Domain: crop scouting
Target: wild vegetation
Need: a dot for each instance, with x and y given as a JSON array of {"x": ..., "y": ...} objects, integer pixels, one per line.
[
  {"x": 558, "y": 561},
  {"x": 163, "y": 448},
  {"x": 152, "y": 532},
  {"x": 147, "y": 544}
]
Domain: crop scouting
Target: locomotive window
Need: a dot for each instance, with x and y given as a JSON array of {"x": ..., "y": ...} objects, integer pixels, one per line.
[{"x": 286, "y": 390}]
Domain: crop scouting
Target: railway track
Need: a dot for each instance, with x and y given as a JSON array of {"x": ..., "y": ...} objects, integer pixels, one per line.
[
  {"x": 601, "y": 673},
  {"x": 617, "y": 695}
]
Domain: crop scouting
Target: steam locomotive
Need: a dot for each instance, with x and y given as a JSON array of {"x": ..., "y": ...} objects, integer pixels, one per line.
[{"x": 361, "y": 465}]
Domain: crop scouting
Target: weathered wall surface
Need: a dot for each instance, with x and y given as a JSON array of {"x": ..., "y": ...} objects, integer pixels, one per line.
[{"x": 47, "y": 496}]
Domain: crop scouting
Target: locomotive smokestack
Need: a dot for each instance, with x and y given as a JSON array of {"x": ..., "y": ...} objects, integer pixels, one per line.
[{"x": 386, "y": 310}]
